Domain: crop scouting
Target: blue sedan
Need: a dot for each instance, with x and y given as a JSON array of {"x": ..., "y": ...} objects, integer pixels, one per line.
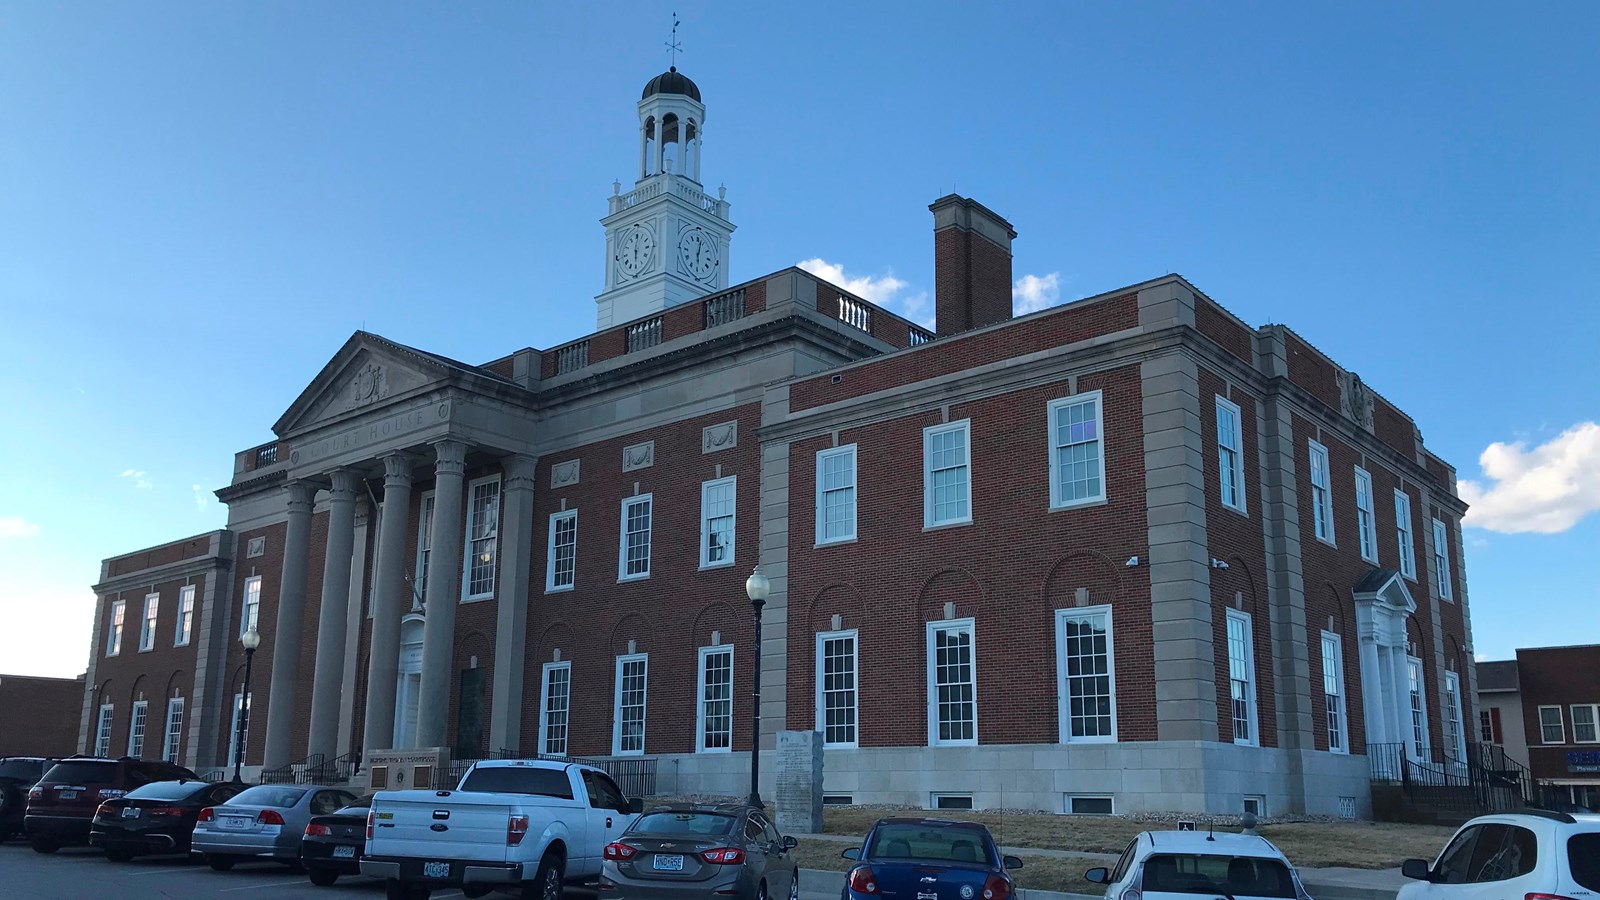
[{"x": 928, "y": 859}]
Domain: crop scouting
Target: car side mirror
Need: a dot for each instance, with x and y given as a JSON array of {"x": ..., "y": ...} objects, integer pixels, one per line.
[
  {"x": 1012, "y": 862},
  {"x": 789, "y": 843},
  {"x": 852, "y": 853},
  {"x": 634, "y": 806},
  {"x": 1098, "y": 875},
  {"x": 1416, "y": 868}
]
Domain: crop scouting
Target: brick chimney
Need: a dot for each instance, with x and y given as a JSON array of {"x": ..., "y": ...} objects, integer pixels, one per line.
[{"x": 971, "y": 265}]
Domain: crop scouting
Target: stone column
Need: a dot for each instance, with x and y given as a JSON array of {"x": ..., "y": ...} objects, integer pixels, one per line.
[
  {"x": 286, "y": 633},
  {"x": 328, "y": 676},
  {"x": 355, "y": 615},
  {"x": 443, "y": 592},
  {"x": 511, "y": 598},
  {"x": 390, "y": 597}
]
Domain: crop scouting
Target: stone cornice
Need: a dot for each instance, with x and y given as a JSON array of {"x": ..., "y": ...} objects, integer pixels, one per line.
[
  {"x": 199, "y": 565},
  {"x": 252, "y": 485}
]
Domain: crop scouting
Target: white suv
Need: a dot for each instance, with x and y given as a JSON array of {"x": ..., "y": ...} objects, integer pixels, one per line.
[
  {"x": 1533, "y": 854},
  {"x": 1177, "y": 865}
]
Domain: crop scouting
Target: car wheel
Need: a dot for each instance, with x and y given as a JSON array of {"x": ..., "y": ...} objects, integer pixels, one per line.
[
  {"x": 761, "y": 891},
  {"x": 10, "y": 802},
  {"x": 118, "y": 855},
  {"x": 45, "y": 846},
  {"x": 794, "y": 885},
  {"x": 547, "y": 884},
  {"x": 219, "y": 862},
  {"x": 323, "y": 877}
]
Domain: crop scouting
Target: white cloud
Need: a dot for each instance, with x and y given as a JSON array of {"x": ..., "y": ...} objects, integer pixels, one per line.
[
  {"x": 17, "y": 527},
  {"x": 139, "y": 481},
  {"x": 1032, "y": 293},
  {"x": 1545, "y": 490},
  {"x": 884, "y": 290},
  {"x": 202, "y": 498}
]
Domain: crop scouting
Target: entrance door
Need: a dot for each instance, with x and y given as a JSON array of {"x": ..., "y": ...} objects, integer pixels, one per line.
[{"x": 408, "y": 690}]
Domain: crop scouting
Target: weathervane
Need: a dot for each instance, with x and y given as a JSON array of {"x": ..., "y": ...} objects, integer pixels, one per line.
[{"x": 672, "y": 44}]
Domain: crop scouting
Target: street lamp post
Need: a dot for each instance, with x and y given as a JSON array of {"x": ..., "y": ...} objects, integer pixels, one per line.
[
  {"x": 756, "y": 587},
  {"x": 251, "y": 640}
]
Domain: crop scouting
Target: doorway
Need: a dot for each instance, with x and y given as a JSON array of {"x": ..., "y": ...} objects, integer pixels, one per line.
[{"x": 408, "y": 690}]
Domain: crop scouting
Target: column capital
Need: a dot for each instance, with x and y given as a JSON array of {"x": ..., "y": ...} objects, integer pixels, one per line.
[
  {"x": 346, "y": 485},
  {"x": 451, "y": 457},
  {"x": 397, "y": 469},
  {"x": 302, "y": 496},
  {"x": 519, "y": 472}
]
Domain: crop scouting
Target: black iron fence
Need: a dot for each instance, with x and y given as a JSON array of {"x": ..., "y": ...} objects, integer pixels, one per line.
[
  {"x": 1481, "y": 780},
  {"x": 315, "y": 769}
]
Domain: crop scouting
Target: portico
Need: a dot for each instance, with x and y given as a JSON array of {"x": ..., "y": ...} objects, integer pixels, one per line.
[{"x": 1382, "y": 605}]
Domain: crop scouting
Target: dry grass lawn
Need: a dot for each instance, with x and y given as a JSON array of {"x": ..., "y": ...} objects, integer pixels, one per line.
[{"x": 1046, "y": 873}]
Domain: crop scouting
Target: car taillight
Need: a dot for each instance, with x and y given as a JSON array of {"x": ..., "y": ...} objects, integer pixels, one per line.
[
  {"x": 207, "y": 815},
  {"x": 318, "y": 831},
  {"x": 1545, "y": 897},
  {"x": 619, "y": 851},
  {"x": 269, "y": 817},
  {"x": 36, "y": 793},
  {"x": 103, "y": 809},
  {"x": 371, "y": 817},
  {"x": 723, "y": 856},
  {"x": 165, "y": 811},
  {"x": 516, "y": 830},
  {"x": 996, "y": 888},
  {"x": 862, "y": 881},
  {"x": 110, "y": 793}
]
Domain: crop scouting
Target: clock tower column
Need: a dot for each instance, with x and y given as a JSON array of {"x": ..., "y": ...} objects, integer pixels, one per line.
[{"x": 666, "y": 240}]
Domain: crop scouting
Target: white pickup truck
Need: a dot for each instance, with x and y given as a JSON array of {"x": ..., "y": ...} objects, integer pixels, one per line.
[{"x": 518, "y": 825}]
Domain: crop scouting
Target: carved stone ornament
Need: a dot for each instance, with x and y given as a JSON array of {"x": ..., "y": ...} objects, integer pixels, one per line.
[
  {"x": 371, "y": 385},
  {"x": 719, "y": 437},
  {"x": 1355, "y": 400},
  {"x": 564, "y": 474},
  {"x": 639, "y": 456},
  {"x": 256, "y": 547}
]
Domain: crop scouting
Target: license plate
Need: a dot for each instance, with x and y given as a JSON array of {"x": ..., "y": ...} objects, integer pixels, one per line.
[
  {"x": 68, "y": 795},
  {"x": 435, "y": 869},
  {"x": 130, "y": 812},
  {"x": 669, "y": 862},
  {"x": 236, "y": 822},
  {"x": 348, "y": 852}
]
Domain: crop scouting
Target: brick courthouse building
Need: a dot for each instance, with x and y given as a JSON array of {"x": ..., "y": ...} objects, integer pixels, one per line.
[{"x": 1126, "y": 553}]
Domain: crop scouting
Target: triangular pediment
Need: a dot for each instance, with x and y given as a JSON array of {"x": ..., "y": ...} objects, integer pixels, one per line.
[
  {"x": 367, "y": 372},
  {"x": 1385, "y": 586}
]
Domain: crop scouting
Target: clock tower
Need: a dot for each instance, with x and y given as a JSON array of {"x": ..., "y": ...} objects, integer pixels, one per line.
[{"x": 666, "y": 240}]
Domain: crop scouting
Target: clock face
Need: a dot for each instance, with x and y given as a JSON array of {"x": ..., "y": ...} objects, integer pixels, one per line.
[
  {"x": 699, "y": 255},
  {"x": 633, "y": 251}
]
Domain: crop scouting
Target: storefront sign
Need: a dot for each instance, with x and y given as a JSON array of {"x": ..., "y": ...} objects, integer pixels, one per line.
[{"x": 1583, "y": 761}]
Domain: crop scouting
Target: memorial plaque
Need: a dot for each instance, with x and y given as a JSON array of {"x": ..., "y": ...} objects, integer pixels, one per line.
[{"x": 799, "y": 777}]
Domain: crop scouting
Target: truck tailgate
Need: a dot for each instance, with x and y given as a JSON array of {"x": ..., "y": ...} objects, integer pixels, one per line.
[{"x": 419, "y": 824}]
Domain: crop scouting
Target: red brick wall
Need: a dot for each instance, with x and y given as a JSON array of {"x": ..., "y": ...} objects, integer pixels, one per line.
[
  {"x": 681, "y": 320},
  {"x": 1556, "y": 676},
  {"x": 43, "y": 714},
  {"x": 153, "y": 675},
  {"x": 161, "y": 556},
  {"x": 1309, "y": 370},
  {"x": 504, "y": 367},
  {"x": 1211, "y": 321},
  {"x": 972, "y": 281},
  {"x": 1010, "y": 570},
  {"x": 1393, "y": 428},
  {"x": 270, "y": 567}
]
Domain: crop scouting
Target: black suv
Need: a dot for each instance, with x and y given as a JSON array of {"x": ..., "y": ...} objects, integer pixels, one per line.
[
  {"x": 17, "y": 775},
  {"x": 61, "y": 806}
]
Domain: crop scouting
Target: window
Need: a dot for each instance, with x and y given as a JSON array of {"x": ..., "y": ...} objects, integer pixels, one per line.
[
  {"x": 950, "y": 801},
  {"x": 424, "y": 545},
  {"x": 1085, "y": 687},
  {"x": 1551, "y": 729},
  {"x": 1489, "y": 726},
  {"x": 147, "y": 627},
  {"x": 141, "y": 709},
  {"x": 554, "y": 702},
  {"x": 1455, "y": 742},
  {"x": 561, "y": 566},
  {"x": 1366, "y": 522},
  {"x": 946, "y": 485},
  {"x": 1080, "y": 805},
  {"x": 239, "y": 726},
  {"x": 1584, "y": 717},
  {"x": 102, "y": 730},
  {"x": 1333, "y": 692},
  {"x": 252, "y": 605},
  {"x": 716, "y": 522},
  {"x": 1420, "y": 741},
  {"x": 836, "y": 688},
  {"x": 185, "y": 628},
  {"x": 174, "y": 731},
  {"x": 952, "y": 684},
  {"x": 1402, "y": 524},
  {"x": 1242, "y": 677},
  {"x": 836, "y": 494},
  {"x": 1321, "y": 493},
  {"x": 633, "y": 559},
  {"x": 1254, "y": 804},
  {"x": 1488, "y": 853},
  {"x": 1077, "y": 455},
  {"x": 119, "y": 608},
  {"x": 838, "y": 799},
  {"x": 483, "y": 530},
  {"x": 1441, "y": 559},
  {"x": 714, "y": 722},
  {"x": 632, "y": 677},
  {"x": 1230, "y": 455},
  {"x": 1347, "y": 807}
]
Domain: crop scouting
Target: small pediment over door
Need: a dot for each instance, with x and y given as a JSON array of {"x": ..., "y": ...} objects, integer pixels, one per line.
[{"x": 367, "y": 372}]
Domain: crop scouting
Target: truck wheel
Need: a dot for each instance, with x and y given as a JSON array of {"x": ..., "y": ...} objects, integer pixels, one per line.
[
  {"x": 547, "y": 883},
  {"x": 41, "y": 845},
  {"x": 323, "y": 877}
]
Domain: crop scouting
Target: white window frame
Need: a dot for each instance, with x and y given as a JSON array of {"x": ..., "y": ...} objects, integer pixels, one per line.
[
  {"x": 250, "y": 607},
  {"x": 233, "y": 726},
  {"x": 936, "y": 797},
  {"x": 968, "y": 625},
  {"x": 1234, "y": 467},
  {"x": 138, "y": 721},
  {"x": 551, "y": 586},
  {"x": 119, "y": 615},
  {"x": 102, "y": 729},
  {"x": 929, "y": 507},
  {"x": 425, "y": 507},
  {"x": 183, "y": 631},
  {"x": 1420, "y": 749},
  {"x": 544, "y": 709},
  {"x": 1560, "y": 724},
  {"x": 1441, "y": 560},
  {"x": 853, "y": 635},
  {"x": 702, "y": 700},
  {"x": 1594, "y": 722},
  {"x": 1453, "y": 717},
  {"x": 1053, "y": 409},
  {"x": 172, "y": 735},
  {"x": 1366, "y": 516},
  {"x": 148, "y": 622},
  {"x": 1321, "y": 503},
  {"x": 490, "y": 538},
  {"x": 1248, "y": 663},
  {"x": 1333, "y": 672},
  {"x": 1405, "y": 540},
  {"x": 823, "y": 491},
  {"x": 1063, "y": 690},
  {"x": 622, "y": 544},
  {"x": 706, "y": 487},
  {"x": 616, "y": 706},
  {"x": 1071, "y": 798}
]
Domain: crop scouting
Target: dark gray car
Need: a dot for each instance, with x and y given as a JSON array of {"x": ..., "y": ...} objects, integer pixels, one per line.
[{"x": 694, "y": 852}]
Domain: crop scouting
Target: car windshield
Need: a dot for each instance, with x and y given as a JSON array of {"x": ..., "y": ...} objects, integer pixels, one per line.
[
  {"x": 947, "y": 843},
  {"x": 27, "y": 770},
  {"x": 707, "y": 824},
  {"x": 268, "y": 795},
  {"x": 1583, "y": 855},
  {"x": 519, "y": 780},
  {"x": 1217, "y": 875},
  {"x": 168, "y": 790},
  {"x": 82, "y": 772}
]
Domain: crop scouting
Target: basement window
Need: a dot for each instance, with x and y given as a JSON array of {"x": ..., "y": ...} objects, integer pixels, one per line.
[
  {"x": 838, "y": 800},
  {"x": 951, "y": 801},
  {"x": 1255, "y": 805},
  {"x": 1090, "y": 805}
]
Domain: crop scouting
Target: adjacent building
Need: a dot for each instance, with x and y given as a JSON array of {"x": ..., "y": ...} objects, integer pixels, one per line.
[
  {"x": 1126, "y": 554},
  {"x": 1543, "y": 709},
  {"x": 41, "y": 715}
]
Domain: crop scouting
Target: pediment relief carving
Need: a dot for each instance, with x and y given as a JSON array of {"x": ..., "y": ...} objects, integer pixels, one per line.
[{"x": 368, "y": 380}]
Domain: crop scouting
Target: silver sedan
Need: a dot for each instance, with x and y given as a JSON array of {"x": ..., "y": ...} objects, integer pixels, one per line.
[{"x": 265, "y": 822}]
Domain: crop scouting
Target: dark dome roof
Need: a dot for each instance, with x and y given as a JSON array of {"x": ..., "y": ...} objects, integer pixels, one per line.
[{"x": 670, "y": 82}]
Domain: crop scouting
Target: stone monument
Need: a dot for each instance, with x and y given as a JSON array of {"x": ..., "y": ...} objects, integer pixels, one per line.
[{"x": 799, "y": 775}]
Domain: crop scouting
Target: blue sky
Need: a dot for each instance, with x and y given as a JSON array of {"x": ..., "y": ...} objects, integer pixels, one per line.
[{"x": 199, "y": 202}]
